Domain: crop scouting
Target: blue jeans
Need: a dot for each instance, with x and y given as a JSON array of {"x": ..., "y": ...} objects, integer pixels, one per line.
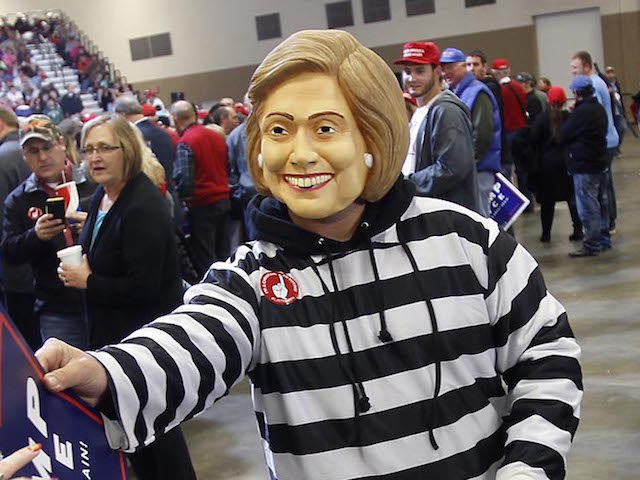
[
  {"x": 71, "y": 328},
  {"x": 593, "y": 208}
]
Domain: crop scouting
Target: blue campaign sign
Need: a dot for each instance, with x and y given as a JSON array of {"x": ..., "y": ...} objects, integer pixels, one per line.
[
  {"x": 73, "y": 441},
  {"x": 506, "y": 201}
]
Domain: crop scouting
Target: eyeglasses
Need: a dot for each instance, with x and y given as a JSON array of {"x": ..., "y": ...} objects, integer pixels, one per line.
[
  {"x": 35, "y": 151},
  {"x": 100, "y": 150}
]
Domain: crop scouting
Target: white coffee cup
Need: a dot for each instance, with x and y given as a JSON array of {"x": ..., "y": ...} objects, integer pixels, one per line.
[{"x": 71, "y": 256}]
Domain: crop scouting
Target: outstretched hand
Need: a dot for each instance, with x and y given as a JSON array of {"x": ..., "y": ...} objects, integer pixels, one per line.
[{"x": 67, "y": 367}]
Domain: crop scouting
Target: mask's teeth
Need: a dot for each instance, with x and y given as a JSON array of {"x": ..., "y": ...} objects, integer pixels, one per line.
[{"x": 307, "y": 182}]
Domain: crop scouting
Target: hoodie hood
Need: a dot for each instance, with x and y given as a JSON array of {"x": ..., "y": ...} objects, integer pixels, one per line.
[{"x": 272, "y": 222}]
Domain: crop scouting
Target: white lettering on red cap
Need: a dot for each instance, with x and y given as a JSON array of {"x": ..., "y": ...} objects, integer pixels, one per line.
[
  {"x": 279, "y": 288},
  {"x": 413, "y": 52}
]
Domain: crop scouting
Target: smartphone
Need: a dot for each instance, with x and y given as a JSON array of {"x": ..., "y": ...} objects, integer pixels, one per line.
[{"x": 55, "y": 206}]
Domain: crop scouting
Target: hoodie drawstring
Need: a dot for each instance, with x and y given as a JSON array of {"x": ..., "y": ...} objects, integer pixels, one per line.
[
  {"x": 384, "y": 334},
  {"x": 362, "y": 403},
  {"x": 434, "y": 327}
]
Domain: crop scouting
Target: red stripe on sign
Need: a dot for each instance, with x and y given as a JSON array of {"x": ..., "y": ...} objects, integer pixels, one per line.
[
  {"x": 123, "y": 468},
  {"x": 25, "y": 350},
  {"x": 80, "y": 407},
  {"x": 38, "y": 371}
]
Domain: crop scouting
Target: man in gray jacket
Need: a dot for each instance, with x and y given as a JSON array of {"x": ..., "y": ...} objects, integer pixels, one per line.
[
  {"x": 17, "y": 280},
  {"x": 442, "y": 164}
]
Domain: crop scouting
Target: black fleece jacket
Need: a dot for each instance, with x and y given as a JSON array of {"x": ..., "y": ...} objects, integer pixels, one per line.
[{"x": 585, "y": 134}]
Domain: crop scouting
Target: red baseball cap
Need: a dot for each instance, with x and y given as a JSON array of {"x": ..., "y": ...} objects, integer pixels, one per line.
[
  {"x": 556, "y": 95},
  {"x": 149, "y": 110},
  {"x": 500, "y": 64},
  {"x": 423, "y": 53}
]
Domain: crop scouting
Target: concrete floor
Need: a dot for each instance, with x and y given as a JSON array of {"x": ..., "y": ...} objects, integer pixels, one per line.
[{"x": 602, "y": 297}]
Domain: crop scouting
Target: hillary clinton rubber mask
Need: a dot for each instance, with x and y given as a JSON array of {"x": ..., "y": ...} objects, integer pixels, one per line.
[
  {"x": 312, "y": 152},
  {"x": 328, "y": 127}
]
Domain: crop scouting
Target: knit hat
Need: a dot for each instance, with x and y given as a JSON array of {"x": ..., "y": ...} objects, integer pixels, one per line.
[
  {"x": 423, "y": 53},
  {"x": 581, "y": 82},
  {"x": 500, "y": 64},
  {"x": 39, "y": 126},
  {"x": 556, "y": 95},
  {"x": 452, "y": 55}
]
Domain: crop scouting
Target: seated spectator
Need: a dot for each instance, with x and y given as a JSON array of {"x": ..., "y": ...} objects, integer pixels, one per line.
[
  {"x": 14, "y": 96},
  {"x": 8, "y": 57},
  {"x": 53, "y": 111},
  {"x": 70, "y": 102}
]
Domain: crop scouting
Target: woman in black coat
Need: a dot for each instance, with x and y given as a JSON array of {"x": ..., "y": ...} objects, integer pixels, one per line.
[
  {"x": 548, "y": 178},
  {"x": 130, "y": 270}
]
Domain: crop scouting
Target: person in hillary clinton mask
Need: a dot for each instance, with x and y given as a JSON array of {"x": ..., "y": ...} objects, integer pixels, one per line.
[{"x": 383, "y": 333}]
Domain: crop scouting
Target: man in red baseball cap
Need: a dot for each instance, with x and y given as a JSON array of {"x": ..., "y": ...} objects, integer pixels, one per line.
[
  {"x": 501, "y": 68},
  {"x": 421, "y": 76},
  {"x": 514, "y": 102},
  {"x": 440, "y": 159}
]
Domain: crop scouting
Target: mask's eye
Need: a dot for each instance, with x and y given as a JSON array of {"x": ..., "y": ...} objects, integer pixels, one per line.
[
  {"x": 277, "y": 130},
  {"x": 326, "y": 129}
]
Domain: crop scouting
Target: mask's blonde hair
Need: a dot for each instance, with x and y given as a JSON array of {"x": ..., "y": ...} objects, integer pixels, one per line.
[{"x": 367, "y": 83}]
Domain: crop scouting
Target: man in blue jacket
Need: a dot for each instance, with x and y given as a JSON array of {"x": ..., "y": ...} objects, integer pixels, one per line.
[{"x": 485, "y": 117}]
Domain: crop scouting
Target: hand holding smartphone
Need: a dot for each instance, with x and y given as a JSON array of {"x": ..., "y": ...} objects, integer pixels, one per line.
[{"x": 55, "y": 206}]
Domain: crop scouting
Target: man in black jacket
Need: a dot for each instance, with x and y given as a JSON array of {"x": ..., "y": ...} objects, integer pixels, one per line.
[
  {"x": 585, "y": 132},
  {"x": 34, "y": 236}
]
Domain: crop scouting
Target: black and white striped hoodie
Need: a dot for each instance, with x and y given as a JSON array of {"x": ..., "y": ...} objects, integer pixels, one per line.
[{"x": 427, "y": 347}]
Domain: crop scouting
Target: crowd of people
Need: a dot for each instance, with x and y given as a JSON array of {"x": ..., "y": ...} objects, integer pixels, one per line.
[
  {"x": 28, "y": 89},
  {"x": 165, "y": 196},
  {"x": 471, "y": 120}
]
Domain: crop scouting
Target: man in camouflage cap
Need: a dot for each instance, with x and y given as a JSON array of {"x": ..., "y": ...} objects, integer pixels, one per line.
[{"x": 31, "y": 235}]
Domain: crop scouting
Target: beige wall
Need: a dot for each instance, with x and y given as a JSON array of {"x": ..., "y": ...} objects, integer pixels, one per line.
[{"x": 621, "y": 38}]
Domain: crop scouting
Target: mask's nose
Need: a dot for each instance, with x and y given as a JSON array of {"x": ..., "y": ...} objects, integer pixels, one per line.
[{"x": 303, "y": 153}]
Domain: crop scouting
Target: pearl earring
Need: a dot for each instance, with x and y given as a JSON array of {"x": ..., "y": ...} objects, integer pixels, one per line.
[
  {"x": 260, "y": 160},
  {"x": 368, "y": 160}
]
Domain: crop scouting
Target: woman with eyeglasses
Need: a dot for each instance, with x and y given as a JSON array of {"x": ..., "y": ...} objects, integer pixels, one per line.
[{"x": 130, "y": 269}]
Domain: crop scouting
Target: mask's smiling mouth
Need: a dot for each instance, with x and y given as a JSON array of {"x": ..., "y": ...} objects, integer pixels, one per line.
[{"x": 308, "y": 182}]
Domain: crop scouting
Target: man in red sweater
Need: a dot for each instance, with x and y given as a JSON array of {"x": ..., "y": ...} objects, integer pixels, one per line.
[
  {"x": 514, "y": 100},
  {"x": 200, "y": 175}
]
